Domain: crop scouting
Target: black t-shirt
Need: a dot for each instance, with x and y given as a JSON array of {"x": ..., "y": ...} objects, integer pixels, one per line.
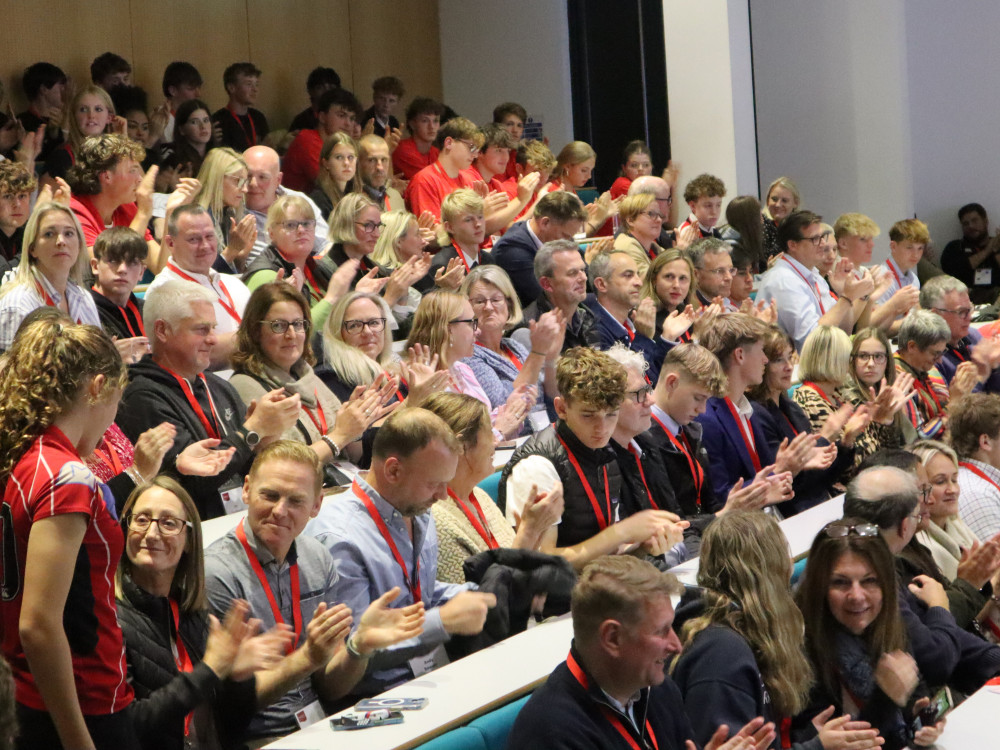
[{"x": 240, "y": 132}]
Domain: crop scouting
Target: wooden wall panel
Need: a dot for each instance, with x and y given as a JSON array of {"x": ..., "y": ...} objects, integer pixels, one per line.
[
  {"x": 211, "y": 35},
  {"x": 396, "y": 37},
  {"x": 360, "y": 39},
  {"x": 289, "y": 39}
]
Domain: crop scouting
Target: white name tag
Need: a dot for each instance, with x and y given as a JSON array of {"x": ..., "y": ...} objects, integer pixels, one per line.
[
  {"x": 424, "y": 664},
  {"x": 309, "y": 715},
  {"x": 984, "y": 277},
  {"x": 232, "y": 500}
]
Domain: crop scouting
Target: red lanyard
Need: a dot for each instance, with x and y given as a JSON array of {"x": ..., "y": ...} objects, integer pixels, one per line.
[
  {"x": 181, "y": 658},
  {"x": 296, "y": 602},
  {"x": 642, "y": 474},
  {"x": 895, "y": 275},
  {"x": 822, "y": 393},
  {"x": 746, "y": 432},
  {"x": 929, "y": 390},
  {"x": 682, "y": 445},
  {"x": 794, "y": 431},
  {"x": 412, "y": 584},
  {"x": 512, "y": 357},
  {"x": 252, "y": 135},
  {"x": 954, "y": 350},
  {"x": 315, "y": 290},
  {"x": 212, "y": 428},
  {"x": 399, "y": 393},
  {"x": 48, "y": 300},
  {"x": 979, "y": 473},
  {"x": 321, "y": 422},
  {"x": 813, "y": 284},
  {"x": 477, "y": 519},
  {"x": 110, "y": 457},
  {"x": 629, "y": 330},
  {"x": 610, "y": 715},
  {"x": 786, "y": 733},
  {"x": 603, "y": 519},
  {"x": 461, "y": 256},
  {"x": 134, "y": 310},
  {"x": 227, "y": 304}
]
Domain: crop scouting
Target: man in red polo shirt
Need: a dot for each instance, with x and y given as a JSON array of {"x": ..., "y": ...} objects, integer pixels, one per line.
[
  {"x": 489, "y": 166},
  {"x": 459, "y": 140},
  {"x": 109, "y": 190},
  {"x": 336, "y": 112},
  {"x": 423, "y": 118}
]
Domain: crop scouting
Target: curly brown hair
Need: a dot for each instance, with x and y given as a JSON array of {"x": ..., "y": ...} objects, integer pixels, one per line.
[
  {"x": 248, "y": 356},
  {"x": 588, "y": 376},
  {"x": 48, "y": 367},
  {"x": 101, "y": 153}
]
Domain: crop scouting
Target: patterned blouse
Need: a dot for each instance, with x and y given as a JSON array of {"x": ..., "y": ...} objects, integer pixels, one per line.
[{"x": 458, "y": 538}]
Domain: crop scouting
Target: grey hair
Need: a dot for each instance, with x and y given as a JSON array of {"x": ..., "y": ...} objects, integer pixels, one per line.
[
  {"x": 545, "y": 266},
  {"x": 600, "y": 265},
  {"x": 924, "y": 328},
  {"x": 496, "y": 277},
  {"x": 627, "y": 358},
  {"x": 188, "y": 209},
  {"x": 171, "y": 301},
  {"x": 934, "y": 290},
  {"x": 707, "y": 246}
]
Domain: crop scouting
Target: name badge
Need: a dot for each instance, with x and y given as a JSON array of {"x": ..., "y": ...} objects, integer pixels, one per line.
[
  {"x": 424, "y": 664},
  {"x": 232, "y": 500},
  {"x": 309, "y": 715},
  {"x": 984, "y": 277}
]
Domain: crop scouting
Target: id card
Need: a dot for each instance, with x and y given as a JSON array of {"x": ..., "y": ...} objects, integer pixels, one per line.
[
  {"x": 308, "y": 715},
  {"x": 232, "y": 499},
  {"x": 984, "y": 277},
  {"x": 424, "y": 664}
]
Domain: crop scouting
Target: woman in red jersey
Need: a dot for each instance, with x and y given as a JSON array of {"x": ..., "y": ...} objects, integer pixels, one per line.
[{"x": 60, "y": 540}]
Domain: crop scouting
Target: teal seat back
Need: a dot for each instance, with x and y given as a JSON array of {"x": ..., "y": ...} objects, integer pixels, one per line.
[{"x": 496, "y": 725}]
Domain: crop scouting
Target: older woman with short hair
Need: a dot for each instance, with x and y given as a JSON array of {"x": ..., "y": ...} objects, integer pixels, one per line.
[
  {"x": 642, "y": 221},
  {"x": 922, "y": 340},
  {"x": 501, "y": 364}
]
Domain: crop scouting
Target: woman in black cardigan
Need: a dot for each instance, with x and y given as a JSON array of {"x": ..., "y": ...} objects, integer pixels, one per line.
[{"x": 193, "y": 677}]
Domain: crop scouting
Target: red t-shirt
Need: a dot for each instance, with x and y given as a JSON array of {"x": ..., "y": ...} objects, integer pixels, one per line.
[
  {"x": 300, "y": 166},
  {"x": 408, "y": 160},
  {"x": 511, "y": 171},
  {"x": 50, "y": 480},
  {"x": 93, "y": 224},
  {"x": 620, "y": 187},
  {"x": 430, "y": 185}
]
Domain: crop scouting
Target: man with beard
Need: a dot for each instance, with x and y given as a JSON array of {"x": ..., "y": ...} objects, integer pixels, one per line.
[{"x": 973, "y": 259}]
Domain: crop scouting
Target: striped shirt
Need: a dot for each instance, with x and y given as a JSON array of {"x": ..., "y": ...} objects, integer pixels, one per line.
[{"x": 22, "y": 299}]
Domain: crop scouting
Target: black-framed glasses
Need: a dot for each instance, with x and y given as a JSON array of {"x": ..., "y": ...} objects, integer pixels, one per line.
[
  {"x": 840, "y": 530},
  {"x": 878, "y": 358},
  {"x": 816, "y": 239},
  {"x": 370, "y": 226},
  {"x": 293, "y": 226},
  {"x": 473, "y": 148},
  {"x": 474, "y": 322},
  {"x": 640, "y": 394},
  {"x": 168, "y": 525},
  {"x": 281, "y": 326},
  {"x": 719, "y": 271},
  {"x": 483, "y": 301},
  {"x": 357, "y": 326},
  {"x": 669, "y": 200},
  {"x": 654, "y": 215}
]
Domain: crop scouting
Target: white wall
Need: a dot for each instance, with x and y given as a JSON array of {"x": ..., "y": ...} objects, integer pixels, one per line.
[
  {"x": 832, "y": 103},
  {"x": 954, "y": 59},
  {"x": 515, "y": 50},
  {"x": 709, "y": 87}
]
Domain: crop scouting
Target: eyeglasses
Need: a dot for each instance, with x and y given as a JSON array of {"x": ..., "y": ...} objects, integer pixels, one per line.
[
  {"x": 641, "y": 394},
  {"x": 744, "y": 272},
  {"x": 474, "y": 322},
  {"x": 357, "y": 326},
  {"x": 294, "y": 226},
  {"x": 815, "y": 239},
  {"x": 281, "y": 326},
  {"x": 654, "y": 215},
  {"x": 720, "y": 271},
  {"x": 878, "y": 358},
  {"x": 370, "y": 226},
  {"x": 473, "y": 148},
  {"x": 840, "y": 530},
  {"x": 482, "y": 301},
  {"x": 168, "y": 525},
  {"x": 239, "y": 182},
  {"x": 962, "y": 312},
  {"x": 669, "y": 200},
  {"x": 925, "y": 491}
]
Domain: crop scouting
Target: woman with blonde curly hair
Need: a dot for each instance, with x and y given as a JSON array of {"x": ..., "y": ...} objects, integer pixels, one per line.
[
  {"x": 224, "y": 177},
  {"x": 61, "y": 386},
  {"x": 743, "y": 652}
]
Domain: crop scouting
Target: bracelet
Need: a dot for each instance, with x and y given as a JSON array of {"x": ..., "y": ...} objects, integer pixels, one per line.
[
  {"x": 540, "y": 354},
  {"x": 135, "y": 476},
  {"x": 352, "y": 648},
  {"x": 844, "y": 296},
  {"x": 331, "y": 445}
]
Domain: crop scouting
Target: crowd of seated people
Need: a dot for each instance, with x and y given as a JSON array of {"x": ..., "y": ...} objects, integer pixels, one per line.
[{"x": 324, "y": 332}]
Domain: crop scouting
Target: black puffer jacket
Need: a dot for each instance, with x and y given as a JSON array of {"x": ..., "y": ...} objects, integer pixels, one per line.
[
  {"x": 163, "y": 696},
  {"x": 579, "y": 521}
]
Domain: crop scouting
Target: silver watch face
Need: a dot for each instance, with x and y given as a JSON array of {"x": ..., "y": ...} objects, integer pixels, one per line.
[{"x": 252, "y": 438}]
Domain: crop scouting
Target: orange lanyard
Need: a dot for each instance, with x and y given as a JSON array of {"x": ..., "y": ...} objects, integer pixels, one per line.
[
  {"x": 746, "y": 432},
  {"x": 412, "y": 583},
  {"x": 321, "y": 422},
  {"x": 258, "y": 570},
  {"x": 610, "y": 715},
  {"x": 110, "y": 457},
  {"x": 682, "y": 445},
  {"x": 212, "y": 428},
  {"x": 227, "y": 304},
  {"x": 477, "y": 519},
  {"x": 642, "y": 474},
  {"x": 603, "y": 518}
]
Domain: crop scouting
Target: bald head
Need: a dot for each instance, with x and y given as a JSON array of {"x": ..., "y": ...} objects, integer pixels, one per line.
[
  {"x": 264, "y": 167},
  {"x": 879, "y": 482},
  {"x": 655, "y": 186},
  {"x": 887, "y": 497}
]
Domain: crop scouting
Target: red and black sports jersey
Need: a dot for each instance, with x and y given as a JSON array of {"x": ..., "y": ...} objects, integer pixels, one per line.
[{"x": 49, "y": 480}]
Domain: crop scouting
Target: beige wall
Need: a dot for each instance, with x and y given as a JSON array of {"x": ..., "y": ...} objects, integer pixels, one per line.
[{"x": 360, "y": 39}]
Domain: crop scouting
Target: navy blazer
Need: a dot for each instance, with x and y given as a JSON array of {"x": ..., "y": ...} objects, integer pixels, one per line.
[
  {"x": 515, "y": 254},
  {"x": 727, "y": 453},
  {"x": 610, "y": 331}
]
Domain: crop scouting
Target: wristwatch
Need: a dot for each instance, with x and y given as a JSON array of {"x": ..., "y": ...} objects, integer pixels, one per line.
[{"x": 252, "y": 438}]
